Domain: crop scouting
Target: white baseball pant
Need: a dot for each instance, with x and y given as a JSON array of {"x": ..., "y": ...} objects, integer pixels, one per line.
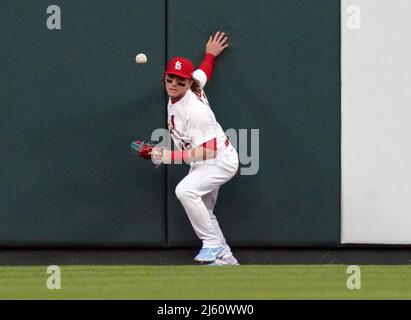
[{"x": 198, "y": 194}]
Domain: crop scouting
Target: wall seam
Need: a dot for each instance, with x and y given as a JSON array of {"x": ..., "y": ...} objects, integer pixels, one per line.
[{"x": 165, "y": 100}]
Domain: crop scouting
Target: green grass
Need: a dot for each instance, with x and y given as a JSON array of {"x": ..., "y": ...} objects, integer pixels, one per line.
[{"x": 198, "y": 282}]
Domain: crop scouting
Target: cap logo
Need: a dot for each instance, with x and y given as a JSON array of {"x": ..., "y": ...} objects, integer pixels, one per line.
[{"x": 177, "y": 66}]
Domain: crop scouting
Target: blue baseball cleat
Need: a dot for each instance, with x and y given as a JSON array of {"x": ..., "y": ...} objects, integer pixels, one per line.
[{"x": 208, "y": 254}]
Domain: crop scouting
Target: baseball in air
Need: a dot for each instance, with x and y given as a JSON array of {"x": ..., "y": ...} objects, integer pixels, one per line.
[{"x": 141, "y": 58}]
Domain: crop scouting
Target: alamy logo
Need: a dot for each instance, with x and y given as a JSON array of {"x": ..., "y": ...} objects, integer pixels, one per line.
[
  {"x": 54, "y": 281},
  {"x": 54, "y": 20},
  {"x": 245, "y": 141},
  {"x": 177, "y": 65}
]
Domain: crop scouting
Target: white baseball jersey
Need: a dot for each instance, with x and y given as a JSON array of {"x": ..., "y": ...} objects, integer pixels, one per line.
[{"x": 191, "y": 122}]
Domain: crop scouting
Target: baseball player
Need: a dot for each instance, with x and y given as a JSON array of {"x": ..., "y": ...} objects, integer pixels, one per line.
[{"x": 202, "y": 143}]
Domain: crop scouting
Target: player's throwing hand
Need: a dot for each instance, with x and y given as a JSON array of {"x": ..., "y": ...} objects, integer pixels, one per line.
[{"x": 217, "y": 44}]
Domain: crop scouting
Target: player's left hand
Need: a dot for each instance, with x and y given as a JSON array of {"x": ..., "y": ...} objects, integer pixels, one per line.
[{"x": 217, "y": 44}]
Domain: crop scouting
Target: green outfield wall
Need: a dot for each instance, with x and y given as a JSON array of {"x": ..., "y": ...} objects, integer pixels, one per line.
[{"x": 72, "y": 100}]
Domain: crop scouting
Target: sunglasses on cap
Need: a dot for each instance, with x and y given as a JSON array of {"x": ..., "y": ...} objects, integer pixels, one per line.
[{"x": 180, "y": 83}]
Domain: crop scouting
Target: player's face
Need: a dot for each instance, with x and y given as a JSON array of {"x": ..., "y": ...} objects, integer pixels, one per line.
[{"x": 176, "y": 86}]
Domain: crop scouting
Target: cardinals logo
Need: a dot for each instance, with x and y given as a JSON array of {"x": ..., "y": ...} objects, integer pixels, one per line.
[
  {"x": 178, "y": 65},
  {"x": 171, "y": 125},
  {"x": 183, "y": 139}
]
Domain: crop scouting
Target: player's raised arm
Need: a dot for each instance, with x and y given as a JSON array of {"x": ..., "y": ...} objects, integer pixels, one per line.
[{"x": 215, "y": 46}]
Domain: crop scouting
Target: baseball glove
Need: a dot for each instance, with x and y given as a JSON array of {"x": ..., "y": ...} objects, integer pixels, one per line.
[{"x": 142, "y": 149}]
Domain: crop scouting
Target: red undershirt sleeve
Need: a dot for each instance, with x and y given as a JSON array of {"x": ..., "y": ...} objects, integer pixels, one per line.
[{"x": 208, "y": 65}]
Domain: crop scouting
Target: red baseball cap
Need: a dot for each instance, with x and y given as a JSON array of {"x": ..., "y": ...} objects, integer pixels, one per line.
[{"x": 181, "y": 67}]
